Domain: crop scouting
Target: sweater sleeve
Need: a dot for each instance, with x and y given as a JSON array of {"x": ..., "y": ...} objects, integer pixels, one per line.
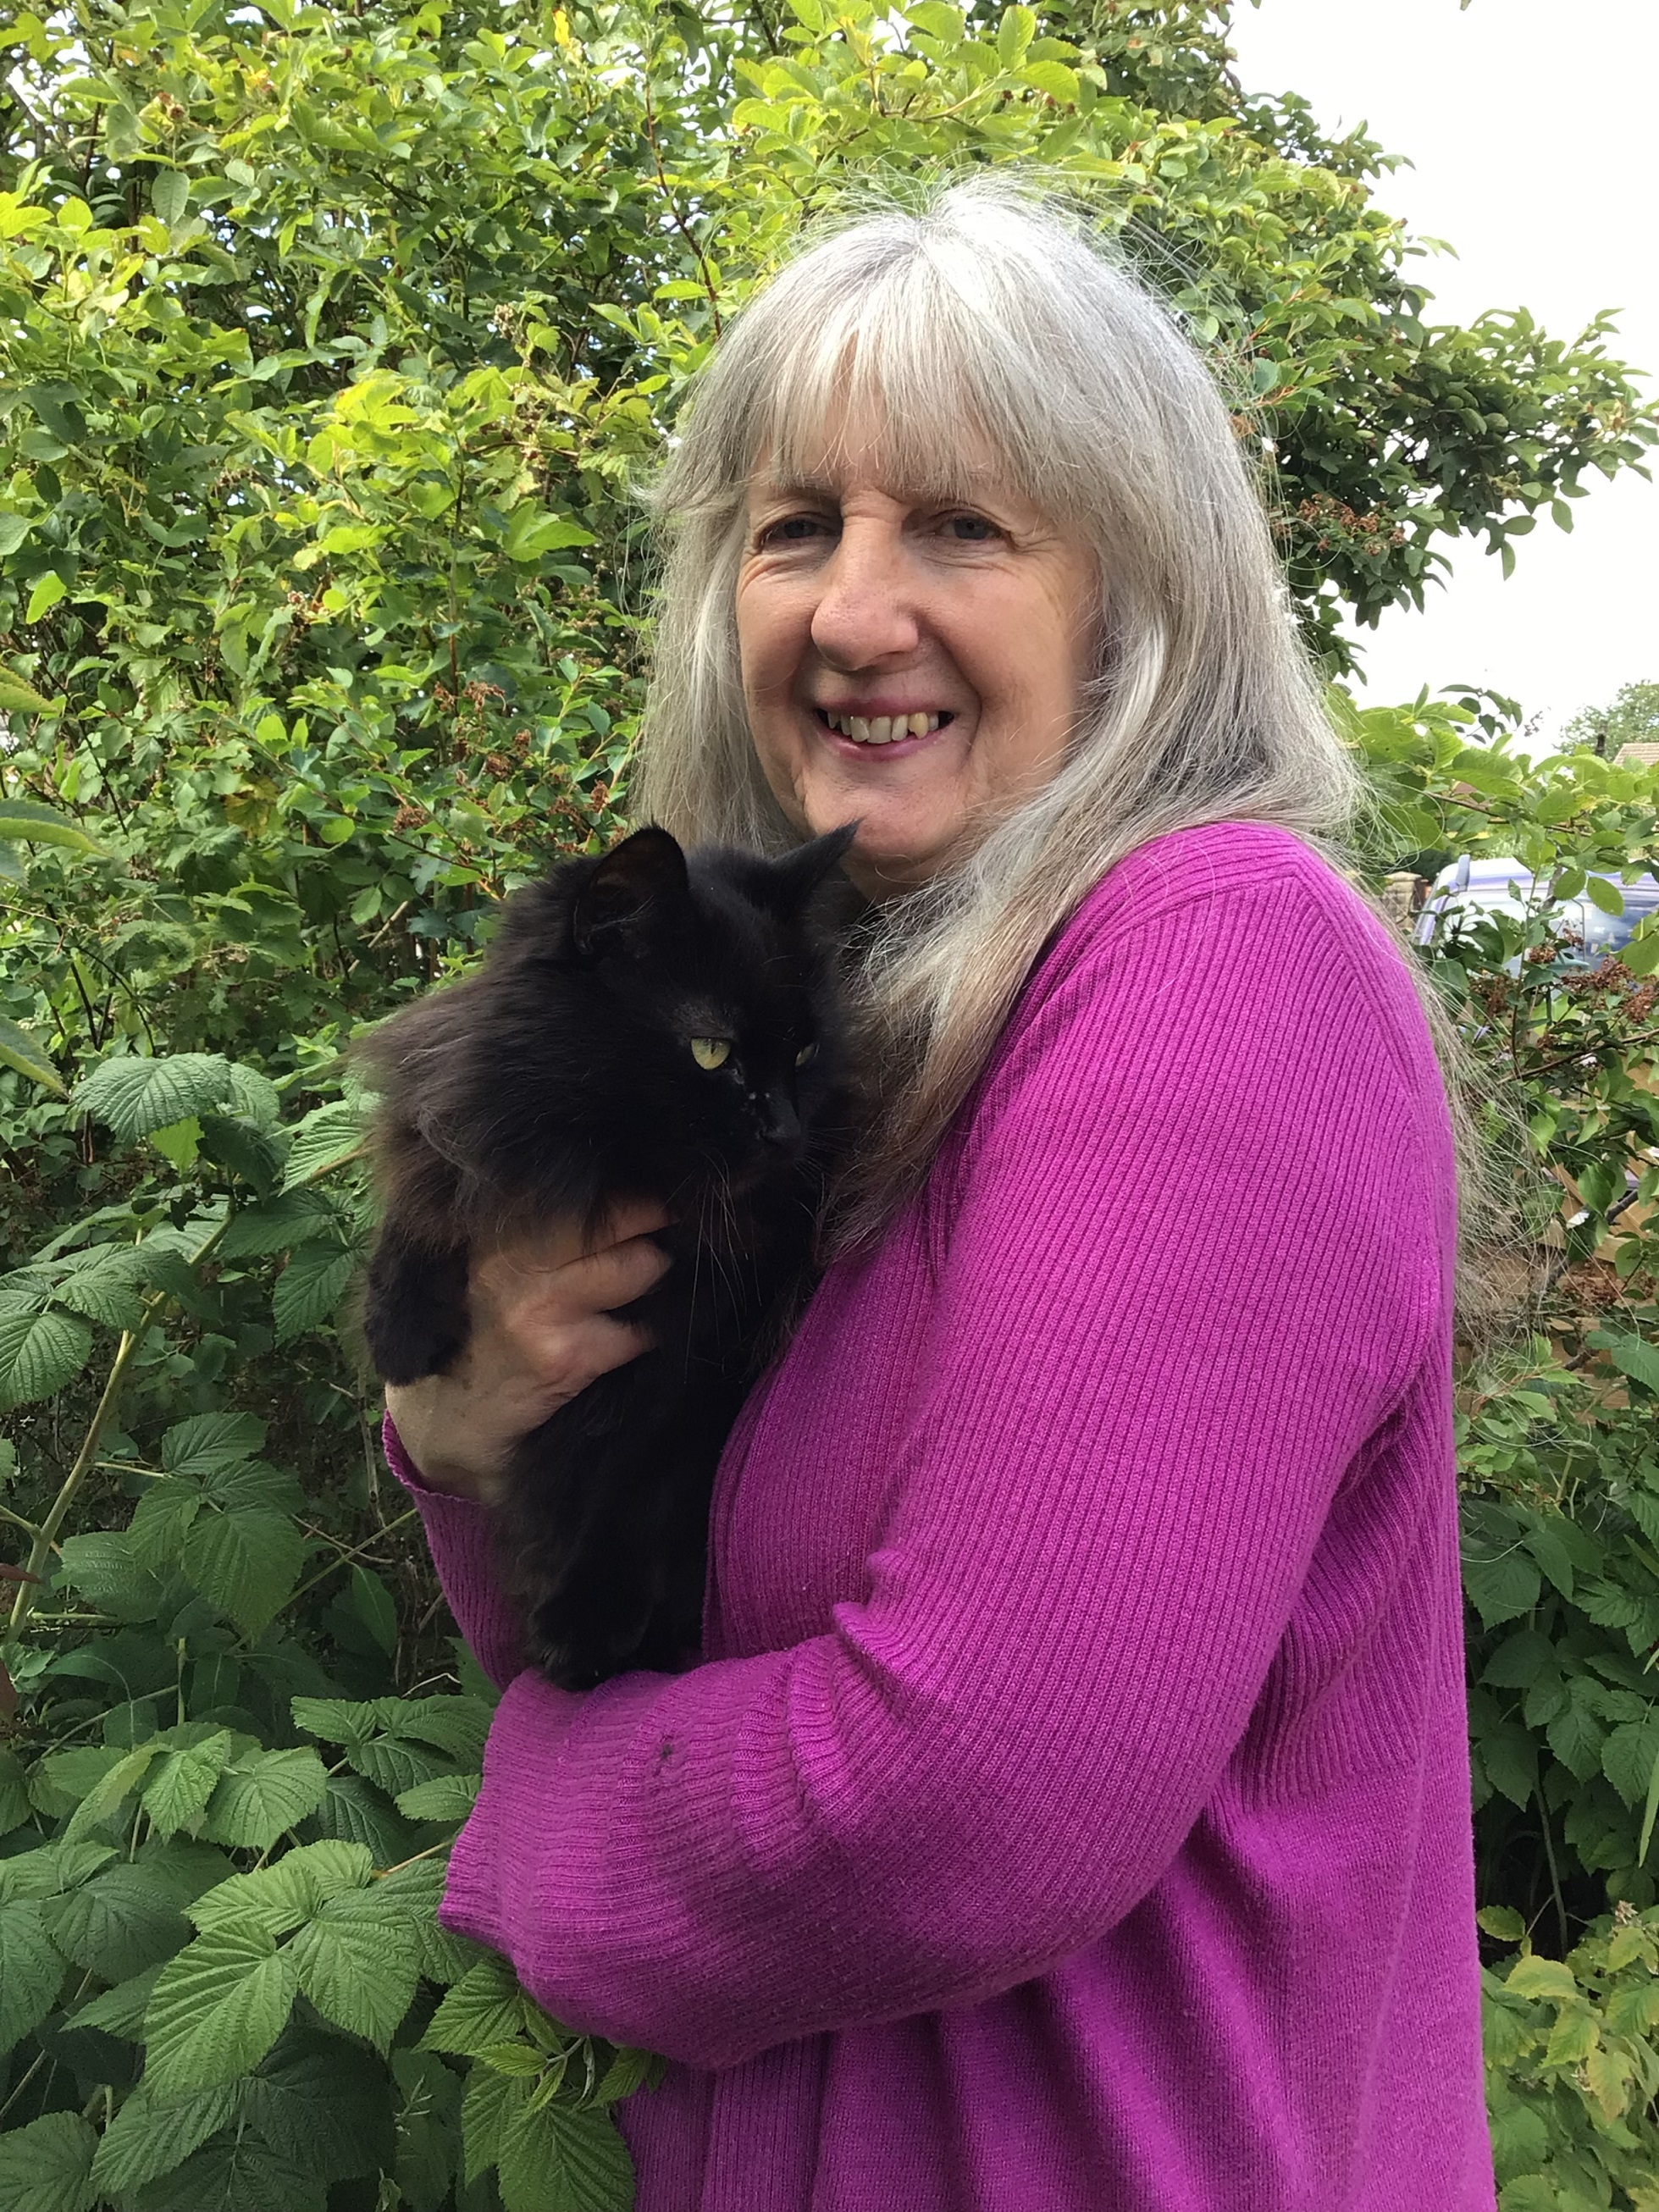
[
  {"x": 1189, "y": 1258},
  {"x": 460, "y": 1538}
]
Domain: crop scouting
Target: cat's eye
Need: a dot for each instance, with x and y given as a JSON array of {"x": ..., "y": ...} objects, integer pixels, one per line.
[
  {"x": 711, "y": 1052},
  {"x": 807, "y": 1052}
]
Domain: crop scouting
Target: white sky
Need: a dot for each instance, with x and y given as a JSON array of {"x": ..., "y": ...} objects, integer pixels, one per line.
[{"x": 1530, "y": 132}]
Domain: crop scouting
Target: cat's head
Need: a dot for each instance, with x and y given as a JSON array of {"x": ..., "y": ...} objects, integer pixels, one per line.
[{"x": 716, "y": 969}]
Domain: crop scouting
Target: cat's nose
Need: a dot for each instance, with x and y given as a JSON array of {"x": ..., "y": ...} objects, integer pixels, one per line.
[{"x": 780, "y": 1123}]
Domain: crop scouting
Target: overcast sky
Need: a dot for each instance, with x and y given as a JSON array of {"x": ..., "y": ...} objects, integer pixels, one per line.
[{"x": 1530, "y": 131}]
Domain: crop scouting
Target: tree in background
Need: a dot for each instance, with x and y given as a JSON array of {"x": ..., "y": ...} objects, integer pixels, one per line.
[
  {"x": 1631, "y": 720},
  {"x": 333, "y": 338}
]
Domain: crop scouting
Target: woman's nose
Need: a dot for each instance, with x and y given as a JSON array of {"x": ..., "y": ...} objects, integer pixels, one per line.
[{"x": 866, "y": 611}]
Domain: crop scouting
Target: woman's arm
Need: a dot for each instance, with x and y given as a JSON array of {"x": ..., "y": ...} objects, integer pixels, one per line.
[
  {"x": 1195, "y": 1252},
  {"x": 542, "y": 1330}
]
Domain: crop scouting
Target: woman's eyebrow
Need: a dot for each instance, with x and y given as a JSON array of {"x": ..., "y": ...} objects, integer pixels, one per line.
[{"x": 791, "y": 487}]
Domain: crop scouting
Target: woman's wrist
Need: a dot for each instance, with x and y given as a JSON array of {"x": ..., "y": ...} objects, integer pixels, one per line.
[{"x": 417, "y": 1456}]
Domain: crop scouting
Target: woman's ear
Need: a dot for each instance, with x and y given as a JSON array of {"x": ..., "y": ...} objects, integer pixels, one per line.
[{"x": 633, "y": 889}]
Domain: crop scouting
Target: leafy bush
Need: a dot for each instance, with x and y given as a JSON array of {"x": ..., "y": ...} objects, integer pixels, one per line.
[
  {"x": 1572, "y": 2066},
  {"x": 1556, "y": 1414},
  {"x": 221, "y": 1857}
]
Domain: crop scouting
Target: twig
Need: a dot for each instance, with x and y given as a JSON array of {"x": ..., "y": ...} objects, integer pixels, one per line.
[
  {"x": 1555, "y": 1875},
  {"x": 432, "y": 1851},
  {"x": 675, "y": 216},
  {"x": 348, "y": 1555}
]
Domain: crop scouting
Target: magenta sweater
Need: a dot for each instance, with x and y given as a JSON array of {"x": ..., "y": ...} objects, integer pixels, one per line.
[{"x": 1072, "y": 1813}]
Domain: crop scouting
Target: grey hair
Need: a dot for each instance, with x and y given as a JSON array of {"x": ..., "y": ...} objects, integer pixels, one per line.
[{"x": 990, "y": 317}]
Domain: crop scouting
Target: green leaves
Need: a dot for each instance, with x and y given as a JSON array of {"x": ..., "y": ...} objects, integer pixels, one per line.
[
  {"x": 31, "y": 1970},
  {"x": 225, "y": 1520},
  {"x": 117, "y": 1924},
  {"x": 246, "y": 1562},
  {"x": 1570, "y": 2056},
  {"x": 552, "y": 2158},
  {"x": 278, "y": 1898},
  {"x": 39, "y": 1354},
  {"x": 17, "y": 696},
  {"x": 135, "y": 1096},
  {"x": 19, "y": 1050},
  {"x": 484, "y": 2009},
  {"x": 209, "y": 1444},
  {"x": 216, "y": 2010},
  {"x": 25, "y": 821},
  {"x": 531, "y": 532},
  {"x": 46, "y": 2167},
  {"x": 1635, "y": 1356},
  {"x": 169, "y": 195},
  {"x": 260, "y": 1795},
  {"x": 309, "y": 1289},
  {"x": 179, "y": 1785},
  {"x": 326, "y": 1138},
  {"x": 358, "y": 1962},
  {"x": 1014, "y": 35},
  {"x": 151, "y": 2135}
]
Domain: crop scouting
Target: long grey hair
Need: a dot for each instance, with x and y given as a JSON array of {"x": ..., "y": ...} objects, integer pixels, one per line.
[{"x": 990, "y": 315}]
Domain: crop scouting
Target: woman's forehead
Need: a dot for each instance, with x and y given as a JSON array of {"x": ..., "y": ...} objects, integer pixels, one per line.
[{"x": 869, "y": 448}]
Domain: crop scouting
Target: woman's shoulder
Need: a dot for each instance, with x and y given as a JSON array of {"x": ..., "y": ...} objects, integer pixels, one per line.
[
  {"x": 1247, "y": 913},
  {"x": 1217, "y": 860}
]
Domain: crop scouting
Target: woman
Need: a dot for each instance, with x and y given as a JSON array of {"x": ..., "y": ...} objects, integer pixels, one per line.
[{"x": 1071, "y": 1814}]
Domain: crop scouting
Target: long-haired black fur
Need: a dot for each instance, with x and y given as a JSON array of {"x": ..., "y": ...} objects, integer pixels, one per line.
[{"x": 647, "y": 1025}]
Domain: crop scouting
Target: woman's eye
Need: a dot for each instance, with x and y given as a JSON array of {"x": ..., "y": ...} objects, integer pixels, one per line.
[
  {"x": 972, "y": 529},
  {"x": 807, "y": 1052},
  {"x": 711, "y": 1052},
  {"x": 792, "y": 530}
]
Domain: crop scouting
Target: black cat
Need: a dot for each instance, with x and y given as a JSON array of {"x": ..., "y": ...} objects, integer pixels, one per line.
[{"x": 647, "y": 1024}]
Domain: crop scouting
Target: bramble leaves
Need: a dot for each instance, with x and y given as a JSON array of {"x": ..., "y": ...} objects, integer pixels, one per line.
[
  {"x": 484, "y": 2009},
  {"x": 325, "y": 1139},
  {"x": 554, "y": 2158},
  {"x": 20, "y": 1051},
  {"x": 208, "y": 1443},
  {"x": 260, "y": 1795},
  {"x": 177, "y": 1789},
  {"x": 134, "y": 1096},
  {"x": 46, "y": 2167},
  {"x": 217, "y": 2009},
  {"x": 39, "y": 1354},
  {"x": 246, "y": 1563},
  {"x": 309, "y": 1289},
  {"x": 151, "y": 2135},
  {"x": 358, "y": 1963},
  {"x": 31, "y": 1969}
]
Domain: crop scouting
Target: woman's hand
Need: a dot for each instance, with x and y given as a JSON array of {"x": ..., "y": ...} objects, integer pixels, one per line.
[{"x": 542, "y": 1330}]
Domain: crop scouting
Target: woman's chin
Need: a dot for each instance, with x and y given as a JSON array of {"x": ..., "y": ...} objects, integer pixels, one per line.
[{"x": 884, "y": 863}]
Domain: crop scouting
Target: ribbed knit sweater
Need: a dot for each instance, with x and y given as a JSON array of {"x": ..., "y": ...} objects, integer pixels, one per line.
[{"x": 1071, "y": 1813}]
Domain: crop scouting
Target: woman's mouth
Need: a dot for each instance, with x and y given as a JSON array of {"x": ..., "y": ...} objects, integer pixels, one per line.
[{"x": 881, "y": 729}]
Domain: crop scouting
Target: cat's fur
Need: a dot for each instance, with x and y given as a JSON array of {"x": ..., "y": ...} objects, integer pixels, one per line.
[{"x": 560, "y": 1080}]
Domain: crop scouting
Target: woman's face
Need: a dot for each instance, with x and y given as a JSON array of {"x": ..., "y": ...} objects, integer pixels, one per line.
[{"x": 912, "y": 663}]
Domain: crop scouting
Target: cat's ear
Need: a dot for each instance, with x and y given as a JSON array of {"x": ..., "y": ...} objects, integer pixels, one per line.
[
  {"x": 793, "y": 880},
  {"x": 633, "y": 889}
]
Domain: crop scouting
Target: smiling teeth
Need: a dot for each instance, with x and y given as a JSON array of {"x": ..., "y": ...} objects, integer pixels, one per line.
[{"x": 884, "y": 729}]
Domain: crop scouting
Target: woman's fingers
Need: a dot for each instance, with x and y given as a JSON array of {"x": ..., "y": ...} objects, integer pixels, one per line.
[
  {"x": 543, "y": 1327},
  {"x": 632, "y": 1217},
  {"x": 615, "y": 1275},
  {"x": 605, "y": 1344}
]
